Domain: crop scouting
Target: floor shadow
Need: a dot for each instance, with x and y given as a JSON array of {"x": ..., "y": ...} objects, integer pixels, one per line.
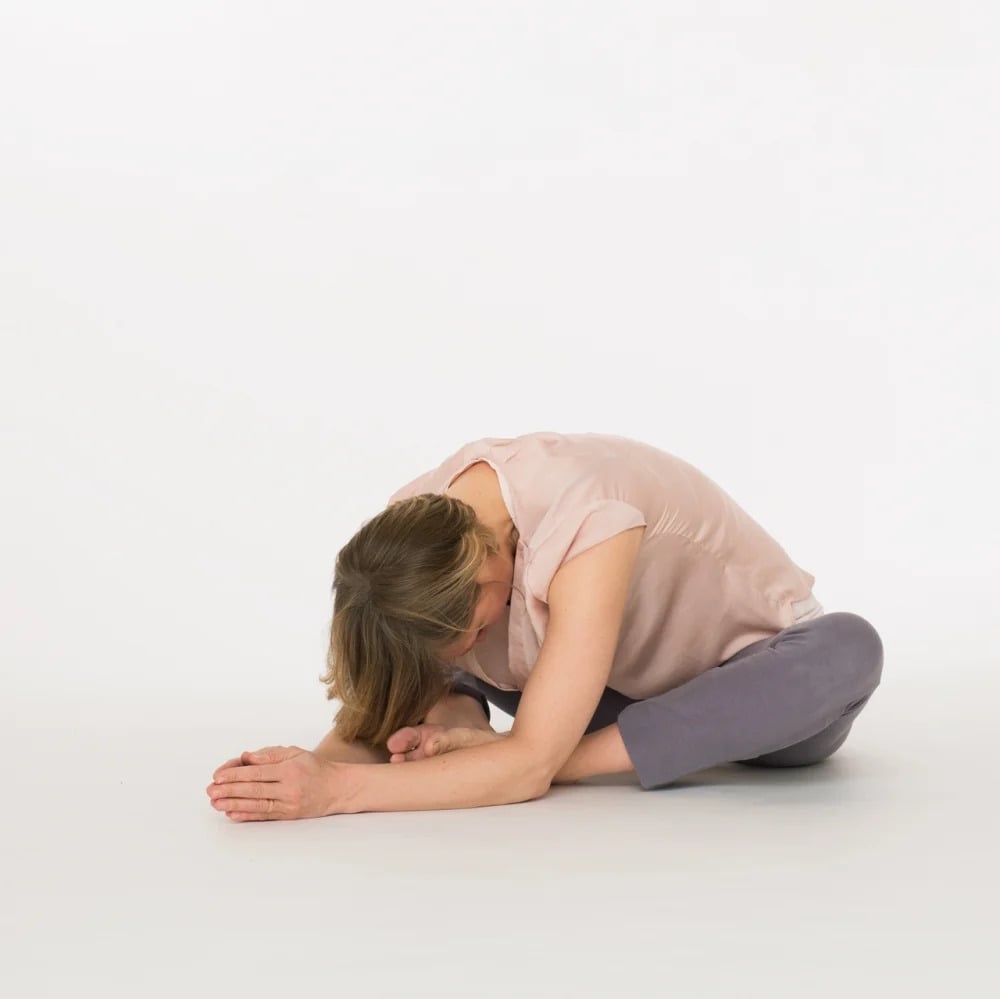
[{"x": 736, "y": 774}]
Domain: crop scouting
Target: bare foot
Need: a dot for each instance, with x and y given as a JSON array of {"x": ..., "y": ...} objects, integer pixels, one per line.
[{"x": 417, "y": 742}]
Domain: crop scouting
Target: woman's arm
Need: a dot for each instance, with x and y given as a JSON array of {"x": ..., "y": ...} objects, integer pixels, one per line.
[
  {"x": 500, "y": 772},
  {"x": 586, "y": 609},
  {"x": 337, "y": 750}
]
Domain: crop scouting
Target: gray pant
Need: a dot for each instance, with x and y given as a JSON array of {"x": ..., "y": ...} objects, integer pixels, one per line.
[{"x": 784, "y": 701}]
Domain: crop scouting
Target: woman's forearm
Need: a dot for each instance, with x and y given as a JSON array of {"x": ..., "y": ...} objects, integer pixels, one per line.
[
  {"x": 336, "y": 750},
  {"x": 600, "y": 752},
  {"x": 499, "y": 772}
]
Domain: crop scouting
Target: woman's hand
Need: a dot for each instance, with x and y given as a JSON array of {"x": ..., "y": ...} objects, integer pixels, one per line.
[
  {"x": 417, "y": 742},
  {"x": 280, "y": 782}
]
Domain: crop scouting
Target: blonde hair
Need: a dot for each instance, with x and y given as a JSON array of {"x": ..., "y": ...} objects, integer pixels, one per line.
[{"x": 404, "y": 590}]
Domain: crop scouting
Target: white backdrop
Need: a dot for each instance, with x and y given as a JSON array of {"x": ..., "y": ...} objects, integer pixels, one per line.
[{"x": 261, "y": 264}]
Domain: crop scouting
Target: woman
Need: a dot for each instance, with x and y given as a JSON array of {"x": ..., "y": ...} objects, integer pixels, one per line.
[{"x": 609, "y": 595}]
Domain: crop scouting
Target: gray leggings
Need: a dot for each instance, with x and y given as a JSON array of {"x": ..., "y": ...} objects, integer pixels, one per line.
[{"x": 784, "y": 701}]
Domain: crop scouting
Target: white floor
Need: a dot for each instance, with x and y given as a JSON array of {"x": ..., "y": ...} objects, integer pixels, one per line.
[{"x": 872, "y": 874}]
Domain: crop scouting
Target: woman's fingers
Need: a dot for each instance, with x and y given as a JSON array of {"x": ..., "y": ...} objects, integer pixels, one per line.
[
  {"x": 251, "y": 755},
  {"x": 245, "y": 797},
  {"x": 234, "y": 762},
  {"x": 244, "y": 759}
]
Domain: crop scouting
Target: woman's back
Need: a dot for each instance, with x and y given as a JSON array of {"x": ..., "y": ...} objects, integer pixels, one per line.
[{"x": 709, "y": 579}]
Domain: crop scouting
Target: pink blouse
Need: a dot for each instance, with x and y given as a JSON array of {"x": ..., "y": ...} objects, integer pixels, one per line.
[{"x": 709, "y": 580}]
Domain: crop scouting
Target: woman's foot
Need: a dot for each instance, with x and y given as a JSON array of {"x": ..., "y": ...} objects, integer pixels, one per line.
[{"x": 417, "y": 742}]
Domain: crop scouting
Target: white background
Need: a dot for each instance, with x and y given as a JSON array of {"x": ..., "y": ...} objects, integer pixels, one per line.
[{"x": 261, "y": 264}]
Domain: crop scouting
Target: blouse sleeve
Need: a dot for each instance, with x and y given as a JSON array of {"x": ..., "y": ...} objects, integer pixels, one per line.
[{"x": 572, "y": 533}]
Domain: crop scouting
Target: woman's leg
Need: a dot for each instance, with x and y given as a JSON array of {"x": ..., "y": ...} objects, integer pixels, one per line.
[{"x": 787, "y": 700}]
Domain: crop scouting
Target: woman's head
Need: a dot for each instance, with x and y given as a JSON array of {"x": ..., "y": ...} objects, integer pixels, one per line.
[{"x": 409, "y": 588}]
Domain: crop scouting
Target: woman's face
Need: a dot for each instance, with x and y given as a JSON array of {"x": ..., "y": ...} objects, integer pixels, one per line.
[{"x": 495, "y": 579}]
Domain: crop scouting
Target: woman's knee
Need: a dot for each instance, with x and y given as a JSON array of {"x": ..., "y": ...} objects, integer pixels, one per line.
[{"x": 856, "y": 638}]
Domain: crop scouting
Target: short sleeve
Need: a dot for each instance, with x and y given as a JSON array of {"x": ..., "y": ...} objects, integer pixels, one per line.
[
  {"x": 572, "y": 532},
  {"x": 432, "y": 481}
]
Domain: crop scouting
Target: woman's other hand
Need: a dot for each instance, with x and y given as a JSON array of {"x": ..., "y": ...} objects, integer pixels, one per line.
[{"x": 281, "y": 782}]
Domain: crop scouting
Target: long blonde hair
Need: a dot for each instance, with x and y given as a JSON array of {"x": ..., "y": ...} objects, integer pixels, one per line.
[{"x": 404, "y": 590}]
